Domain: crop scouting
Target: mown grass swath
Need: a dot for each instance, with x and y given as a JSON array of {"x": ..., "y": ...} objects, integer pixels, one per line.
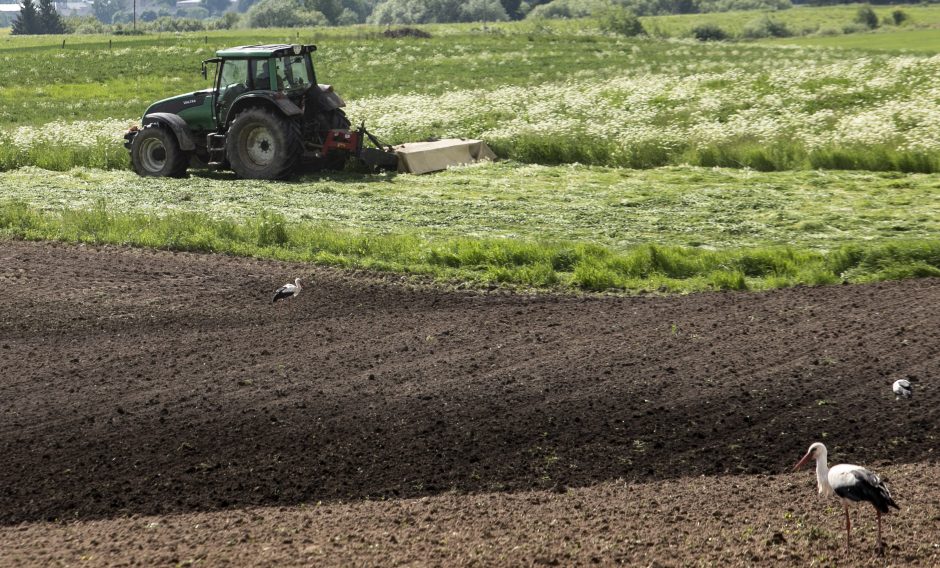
[
  {"x": 578, "y": 266},
  {"x": 676, "y": 206}
]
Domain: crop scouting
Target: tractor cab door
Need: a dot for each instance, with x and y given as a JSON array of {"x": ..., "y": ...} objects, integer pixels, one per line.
[
  {"x": 260, "y": 70},
  {"x": 231, "y": 81}
]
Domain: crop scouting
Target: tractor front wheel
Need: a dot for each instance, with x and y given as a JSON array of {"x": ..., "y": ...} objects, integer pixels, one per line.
[
  {"x": 155, "y": 152},
  {"x": 263, "y": 145}
]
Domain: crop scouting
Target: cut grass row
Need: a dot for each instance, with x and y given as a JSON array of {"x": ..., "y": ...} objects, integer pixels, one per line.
[
  {"x": 617, "y": 208},
  {"x": 573, "y": 266},
  {"x": 573, "y": 227},
  {"x": 553, "y": 150}
]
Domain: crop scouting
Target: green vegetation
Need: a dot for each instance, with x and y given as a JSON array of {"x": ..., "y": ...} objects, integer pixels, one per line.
[
  {"x": 776, "y": 131},
  {"x": 530, "y": 264},
  {"x": 559, "y": 92},
  {"x": 677, "y": 229},
  {"x": 617, "y": 208},
  {"x": 801, "y": 20},
  {"x": 926, "y": 41}
]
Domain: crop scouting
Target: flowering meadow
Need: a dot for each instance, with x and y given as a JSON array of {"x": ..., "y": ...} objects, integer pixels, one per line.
[
  {"x": 553, "y": 99},
  {"x": 785, "y": 110}
]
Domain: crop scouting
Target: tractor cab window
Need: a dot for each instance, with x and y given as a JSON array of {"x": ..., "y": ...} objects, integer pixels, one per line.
[
  {"x": 234, "y": 72},
  {"x": 259, "y": 70},
  {"x": 233, "y": 81},
  {"x": 292, "y": 72}
]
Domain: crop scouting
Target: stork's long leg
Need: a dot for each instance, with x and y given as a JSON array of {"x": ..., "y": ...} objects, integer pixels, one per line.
[
  {"x": 880, "y": 542},
  {"x": 848, "y": 528}
]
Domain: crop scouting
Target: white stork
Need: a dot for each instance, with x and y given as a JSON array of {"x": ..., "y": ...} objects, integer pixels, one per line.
[
  {"x": 849, "y": 483},
  {"x": 902, "y": 389},
  {"x": 288, "y": 290}
]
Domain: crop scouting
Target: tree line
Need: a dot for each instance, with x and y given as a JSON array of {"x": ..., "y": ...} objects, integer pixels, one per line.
[
  {"x": 42, "y": 20},
  {"x": 164, "y": 14}
]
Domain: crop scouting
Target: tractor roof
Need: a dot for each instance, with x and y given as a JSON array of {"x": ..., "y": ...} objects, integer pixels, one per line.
[{"x": 265, "y": 51}]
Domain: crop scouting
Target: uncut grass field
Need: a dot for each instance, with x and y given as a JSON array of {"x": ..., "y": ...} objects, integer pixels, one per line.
[{"x": 628, "y": 164}]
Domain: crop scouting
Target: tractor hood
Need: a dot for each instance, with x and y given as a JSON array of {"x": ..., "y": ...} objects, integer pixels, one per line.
[
  {"x": 195, "y": 108},
  {"x": 179, "y": 103}
]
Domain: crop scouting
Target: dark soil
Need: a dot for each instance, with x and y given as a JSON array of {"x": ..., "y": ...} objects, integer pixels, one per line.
[{"x": 136, "y": 384}]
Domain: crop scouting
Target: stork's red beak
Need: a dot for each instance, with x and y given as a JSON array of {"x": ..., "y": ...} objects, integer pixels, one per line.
[{"x": 800, "y": 463}]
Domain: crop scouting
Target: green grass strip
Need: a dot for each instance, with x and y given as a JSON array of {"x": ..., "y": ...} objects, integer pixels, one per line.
[{"x": 480, "y": 261}]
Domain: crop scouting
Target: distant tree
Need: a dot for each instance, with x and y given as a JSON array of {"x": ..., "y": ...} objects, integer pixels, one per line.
[
  {"x": 899, "y": 17},
  {"x": 867, "y": 17},
  {"x": 332, "y": 9},
  {"x": 27, "y": 22},
  {"x": 283, "y": 14},
  {"x": 228, "y": 21},
  {"x": 482, "y": 11},
  {"x": 348, "y": 18},
  {"x": 560, "y": 9},
  {"x": 216, "y": 7},
  {"x": 104, "y": 10},
  {"x": 148, "y": 15},
  {"x": 49, "y": 20},
  {"x": 513, "y": 9},
  {"x": 621, "y": 21},
  {"x": 409, "y": 12}
]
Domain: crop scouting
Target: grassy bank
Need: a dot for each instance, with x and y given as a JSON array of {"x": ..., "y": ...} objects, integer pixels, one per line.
[
  {"x": 483, "y": 261},
  {"x": 581, "y": 227},
  {"x": 616, "y": 208}
]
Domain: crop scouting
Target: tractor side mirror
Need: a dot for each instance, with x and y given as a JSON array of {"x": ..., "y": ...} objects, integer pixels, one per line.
[{"x": 205, "y": 74}]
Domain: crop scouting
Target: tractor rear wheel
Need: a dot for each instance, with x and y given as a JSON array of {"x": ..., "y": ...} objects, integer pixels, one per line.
[
  {"x": 155, "y": 152},
  {"x": 263, "y": 145}
]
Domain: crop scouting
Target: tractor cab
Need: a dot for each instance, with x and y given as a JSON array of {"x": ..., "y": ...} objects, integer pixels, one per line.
[{"x": 283, "y": 69}]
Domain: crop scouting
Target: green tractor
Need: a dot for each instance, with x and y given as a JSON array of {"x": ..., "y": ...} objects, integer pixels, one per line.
[{"x": 264, "y": 118}]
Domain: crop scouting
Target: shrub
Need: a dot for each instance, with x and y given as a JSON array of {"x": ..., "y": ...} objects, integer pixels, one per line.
[
  {"x": 867, "y": 17},
  {"x": 765, "y": 27},
  {"x": 854, "y": 28},
  {"x": 168, "y": 24},
  {"x": 828, "y": 31},
  {"x": 621, "y": 21},
  {"x": 899, "y": 17},
  {"x": 227, "y": 21},
  {"x": 83, "y": 25},
  {"x": 709, "y": 32}
]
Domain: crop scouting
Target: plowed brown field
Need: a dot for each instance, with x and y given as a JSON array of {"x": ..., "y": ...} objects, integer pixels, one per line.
[{"x": 157, "y": 409}]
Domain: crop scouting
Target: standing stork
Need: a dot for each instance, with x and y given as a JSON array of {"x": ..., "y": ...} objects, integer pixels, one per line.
[
  {"x": 849, "y": 483},
  {"x": 288, "y": 290}
]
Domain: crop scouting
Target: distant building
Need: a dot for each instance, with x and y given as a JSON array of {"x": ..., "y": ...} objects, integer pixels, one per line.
[{"x": 64, "y": 8}]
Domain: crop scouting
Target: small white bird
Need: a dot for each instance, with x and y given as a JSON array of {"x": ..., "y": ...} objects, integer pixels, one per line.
[
  {"x": 902, "y": 389},
  {"x": 849, "y": 483},
  {"x": 288, "y": 290}
]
